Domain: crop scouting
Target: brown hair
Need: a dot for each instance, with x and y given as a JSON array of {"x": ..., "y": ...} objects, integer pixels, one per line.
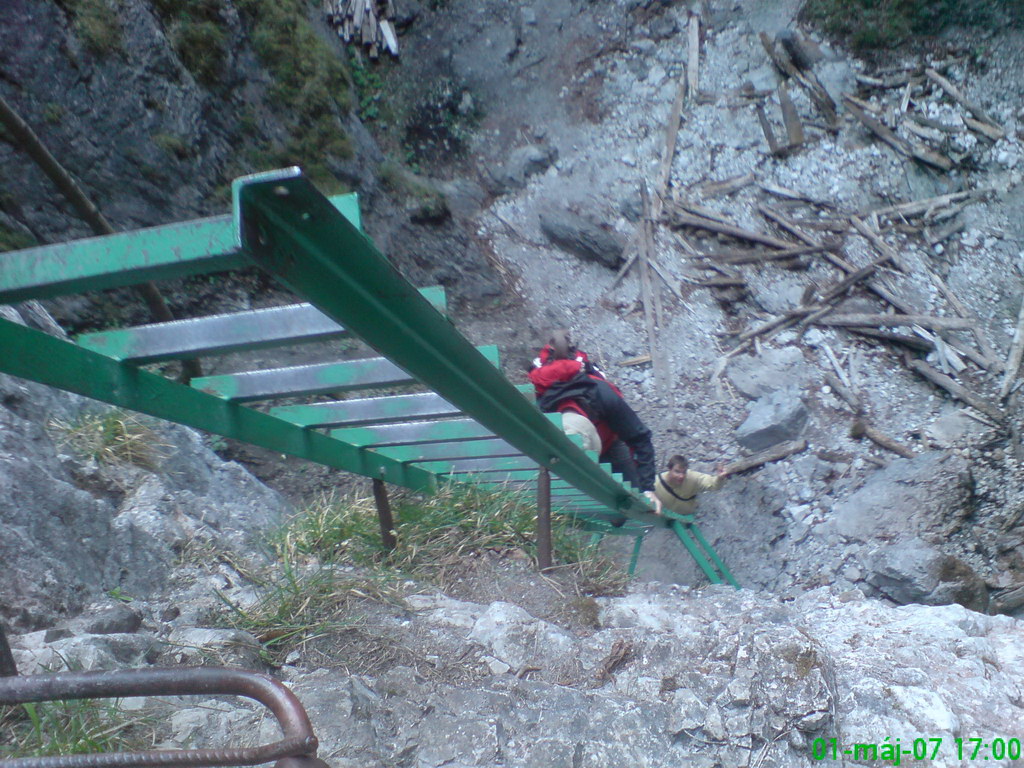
[{"x": 678, "y": 461}]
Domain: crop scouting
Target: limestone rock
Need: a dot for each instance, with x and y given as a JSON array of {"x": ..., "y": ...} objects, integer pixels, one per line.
[
  {"x": 521, "y": 164},
  {"x": 915, "y": 572},
  {"x": 773, "y": 418},
  {"x": 582, "y": 237},
  {"x": 772, "y": 370},
  {"x": 912, "y": 496}
]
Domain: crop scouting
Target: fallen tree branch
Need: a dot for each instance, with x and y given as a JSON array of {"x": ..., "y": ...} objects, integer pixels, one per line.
[
  {"x": 925, "y": 321},
  {"x": 773, "y": 144},
  {"x": 915, "y": 343},
  {"x": 862, "y": 429},
  {"x": 919, "y": 207},
  {"x": 902, "y": 146},
  {"x": 750, "y": 257},
  {"x": 810, "y": 82},
  {"x": 850, "y": 397},
  {"x": 1016, "y": 351},
  {"x": 956, "y": 390},
  {"x": 962, "y": 100},
  {"x": 681, "y": 218},
  {"x": 726, "y": 187},
  {"x": 776, "y": 452},
  {"x": 880, "y": 245}
]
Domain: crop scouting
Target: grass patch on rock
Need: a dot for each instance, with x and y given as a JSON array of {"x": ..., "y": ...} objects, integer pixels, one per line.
[
  {"x": 113, "y": 437},
  {"x": 69, "y": 728},
  {"x": 10, "y": 240},
  {"x": 310, "y": 85},
  {"x": 331, "y": 566},
  {"x": 97, "y": 25},
  {"x": 196, "y": 30},
  {"x": 874, "y": 24}
]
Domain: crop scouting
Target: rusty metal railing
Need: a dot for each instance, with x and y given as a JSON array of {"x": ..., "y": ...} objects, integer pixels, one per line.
[{"x": 297, "y": 748}]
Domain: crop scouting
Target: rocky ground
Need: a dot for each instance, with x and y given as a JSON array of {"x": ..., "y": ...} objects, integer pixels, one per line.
[
  {"x": 868, "y": 576},
  {"x": 569, "y": 136}
]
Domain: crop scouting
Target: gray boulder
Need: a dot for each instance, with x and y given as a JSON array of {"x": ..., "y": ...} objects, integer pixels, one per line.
[
  {"x": 582, "y": 237},
  {"x": 772, "y": 419},
  {"x": 521, "y": 164},
  {"x": 909, "y": 497},
  {"x": 915, "y": 572},
  {"x": 772, "y": 370}
]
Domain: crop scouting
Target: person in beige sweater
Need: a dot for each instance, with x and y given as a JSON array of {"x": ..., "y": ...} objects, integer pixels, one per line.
[{"x": 678, "y": 487}]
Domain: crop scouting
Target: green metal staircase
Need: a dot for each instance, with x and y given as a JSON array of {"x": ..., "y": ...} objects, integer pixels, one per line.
[{"x": 470, "y": 425}]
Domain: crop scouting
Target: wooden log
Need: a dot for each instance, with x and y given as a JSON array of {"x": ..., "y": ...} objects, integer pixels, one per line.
[
  {"x": 636, "y": 360},
  {"x": 693, "y": 57},
  {"x": 669, "y": 149},
  {"x": 901, "y": 145},
  {"x": 1016, "y": 351},
  {"x": 986, "y": 130},
  {"x": 905, "y": 101},
  {"x": 915, "y": 343},
  {"x": 700, "y": 210},
  {"x": 780, "y": 322},
  {"x": 850, "y": 397},
  {"x": 726, "y": 186},
  {"x": 390, "y": 38},
  {"x": 867, "y": 106},
  {"x": 750, "y": 257},
  {"x": 683, "y": 219},
  {"x": 791, "y": 194},
  {"x": 936, "y": 125},
  {"x": 862, "y": 429},
  {"x": 925, "y": 133},
  {"x": 773, "y": 145},
  {"x": 923, "y": 207},
  {"x": 925, "y": 321},
  {"x": 724, "y": 282},
  {"x": 880, "y": 245},
  {"x": 647, "y": 290},
  {"x": 956, "y": 390},
  {"x": 893, "y": 81},
  {"x": 790, "y": 118},
  {"x": 809, "y": 82},
  {"x": 776, "y": 452},
  {"x": 991, "y": 362},
  {"x": 962, "y": 100}
]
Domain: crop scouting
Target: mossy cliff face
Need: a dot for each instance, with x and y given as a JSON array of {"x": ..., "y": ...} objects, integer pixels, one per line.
[{"x": 156, "y": 106}]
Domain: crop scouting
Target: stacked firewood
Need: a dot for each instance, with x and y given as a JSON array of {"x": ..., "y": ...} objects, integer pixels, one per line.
[{"x": 370, "y": 23}]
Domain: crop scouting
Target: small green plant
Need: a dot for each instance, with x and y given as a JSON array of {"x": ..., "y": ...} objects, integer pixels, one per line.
[
  {"x": 201, "y": 46},
  {"x": 440, "y": 124},
  {"x": 428, "y": 202},
  {"x": 369, "y": 85},
  {"x": 97, "y": 24},
  {"x": 196, "y": 30},
  {"x": 70, "y": 727},
  {"x": 53, "y": 113},
  {"x": 113, "y": 437},
  {"x": 120, "y": 595},
  {"x": 171, "y": 144},
  {"x": 14, "y": 241}
]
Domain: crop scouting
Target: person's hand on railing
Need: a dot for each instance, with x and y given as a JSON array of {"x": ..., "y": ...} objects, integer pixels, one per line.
[{"x": 655, "y": 501}]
